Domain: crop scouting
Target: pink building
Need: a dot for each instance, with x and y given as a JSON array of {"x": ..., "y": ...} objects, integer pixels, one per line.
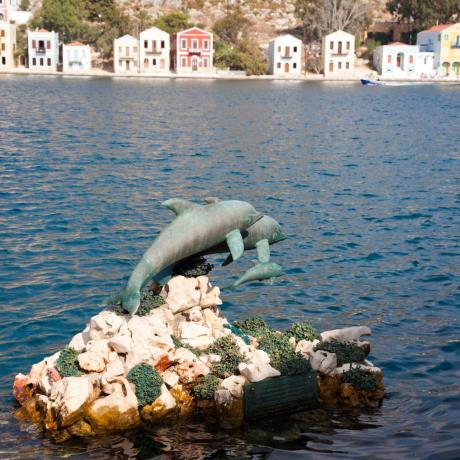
[
  {"x": 192, "y": 51},
  {"x": 4, "y": 7}
]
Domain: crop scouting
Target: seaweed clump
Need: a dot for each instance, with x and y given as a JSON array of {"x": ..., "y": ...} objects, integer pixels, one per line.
[
  {"x": 191, "y": 268},
  {"x": 179, "y": 344},
  {"x": 148, "y": 383},
  {"x": 149, "y": 301},
  {"x": 360, "y": 379},
  {"x": 206, "y": 387},
  {"x": 67, "y": 363},
  {"x": 282, "y": 356},
  {"x": 230, "y": 355},
  {"x": 256, "y": 327},
  {"x": 302, "y": 331},
  {"x": 345, "y": 352}
]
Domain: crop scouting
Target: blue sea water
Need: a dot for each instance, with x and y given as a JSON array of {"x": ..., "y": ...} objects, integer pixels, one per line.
[{"x": 365, "y": 181}]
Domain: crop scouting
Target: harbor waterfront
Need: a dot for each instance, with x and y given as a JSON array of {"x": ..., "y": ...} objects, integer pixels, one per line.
[{"x": 365, "y": 178}]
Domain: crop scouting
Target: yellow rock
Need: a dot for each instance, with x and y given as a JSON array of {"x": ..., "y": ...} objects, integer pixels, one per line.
[
  {"x": 231, "y": 415},
  {"x": 328, "y": 388},
  {"x": 183, "y": 399},
  {"x": 81, "y": 428},
  {"x": 29, "y": 411}
]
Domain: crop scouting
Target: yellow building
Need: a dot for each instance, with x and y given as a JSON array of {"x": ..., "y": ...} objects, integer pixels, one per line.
[
  {"x": 7, "y": 45},
  {"x": 444, "y": 42}
]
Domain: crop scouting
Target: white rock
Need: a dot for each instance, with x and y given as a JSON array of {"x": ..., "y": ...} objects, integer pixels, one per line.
[
  {"x": 91, "y": 361},
  {"x": 170, "y": 378},
  {"x": 189, "y": 371},
  {"x": 212, "y": 298},
  {"x": 348, "y": 334},
  {"x": 68, "y": 397},
  {"x": 201, "y": 342},
  {"x": 77, "y": 342},
  {"x": 166, "y": 398},
  {"x": 182, "y": 293},
  {"x": 100, "y": 347},
  {"x": 255, "y": 372},
  {"x": 260, "y": 356},
  {"x": 191, "y": 330},
  {"x": 306, "y": 347},
  {"x": 211, "y": 319},
  {"x": 144, "y": 354},
  {"x": 181, "y": 355},
  {"x": 114, "y": 370},
  {"x": 245, "y": 350},
  {"x": 51, "y": 360},
  {"x": 195, "y": 315},
  {"x": 323, "y": 361},
  {"x": 347, "y": 366},
  {"x": 163, "y": 341},
  {"x": 121, "y": 343},
  {"x": 107, "y": 322},
  {"x": 234, "y": 384},
  {"x": 204, "y": 285}
]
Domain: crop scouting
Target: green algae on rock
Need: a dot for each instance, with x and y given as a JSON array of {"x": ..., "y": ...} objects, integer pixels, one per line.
[
  {"x": 302, "y": 331},
  {"x": 360, "y": 379},
  {"x": 206, "y": 387},
  {"x": 148, "y": 383},
  {"x": 344, "y": 351},
  {"x": 67, "y": 363}
]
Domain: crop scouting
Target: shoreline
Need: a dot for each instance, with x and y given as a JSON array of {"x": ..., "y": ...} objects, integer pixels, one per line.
[{"x": 228, "y": 76}]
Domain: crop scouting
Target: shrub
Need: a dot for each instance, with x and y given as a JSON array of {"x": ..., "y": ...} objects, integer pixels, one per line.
[
  {"x": 255, "y": 326},
  {"x": 294, "y": 364},
  {"x": 302, "y": 331},
  {"x": 206, "y": 387},
  {"x": 67, "y": 363},
  {"x": 345, "y": 352},
  {"x": 148, "y": 383},
  {"x": 193, "y": 267},
  {"x": 230, "y": 355},
  {"x": 360, "y": 379},
  {"x": 179, "y": 344}
]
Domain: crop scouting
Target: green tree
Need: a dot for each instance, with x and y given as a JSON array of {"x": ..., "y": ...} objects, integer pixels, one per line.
[
  {"x": 172, "y": 22},
  {"x": 250, "y": 58},
  {"x": 231, "y": 27},
  {"x": 67, "y": 17},
  {"x": 424, "y": 13},
  {"x": 25, "y": 5}
]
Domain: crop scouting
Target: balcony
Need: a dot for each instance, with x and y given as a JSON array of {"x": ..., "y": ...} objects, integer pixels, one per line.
[
  {"x": 286, "y": 56},
  {"x": 40, "y": 51},
  {"x": 127, "y": 57},
  {"x": 194, "y": 50},
  {"x": 153, "y": 51},
  {"x": 339, "y": 53},
  {"x": 455, "y": 45}
]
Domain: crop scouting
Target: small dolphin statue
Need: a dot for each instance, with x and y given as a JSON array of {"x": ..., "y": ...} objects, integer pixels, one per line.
[
  {"x": 261, "y": 271},
  {"x": 195, "y": 230}
]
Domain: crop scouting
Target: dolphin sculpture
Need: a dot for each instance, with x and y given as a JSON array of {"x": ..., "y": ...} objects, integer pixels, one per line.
[{"x": 195, "y": 230}]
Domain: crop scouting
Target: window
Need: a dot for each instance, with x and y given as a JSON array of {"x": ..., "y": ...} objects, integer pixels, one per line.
[
  {"x": 162, "y": 44},
  {"x": 205, "y": 62},
  {"x": 2, "y": 33},
  {"x": 184, "y": 62},
  {"x": 120, "y": 63},
  {"x": 340, "y": 65},
  {"x": 295, "y": 49},
  {"x": 279, "y": 49},
  {"x": 3, "y": 47},
  {"x": 48, "y": 44},
  {"x": 206, "y": 45},
  {"x": 278, "y": 65},
  {"x": 446, "y": 36},
  {"x": 184, "y": 44},
  {"x": 195, "y": 44},
  {"x": 389, "y": 59},
  {"x": 34, "y": 61},
  {"x": 154, "y": 62},
  {"x": 135, "y": 50},
  {"x": 49, "y": 62},
  {"x": 34, "y": 44},
  {"x": 4, "y": 60},
  {"x": 120, "y": 50},
  {"x": 127, "y": 51},
  {"x": 146, "y": 44},
  {"x": 347, "y": 65},
  {"x": 41, "y": 62},
  {"x": 348, "y": 45},
  {"x": 411, "y": 59},
  {"x": 146, "y": 63},
  {"x": 331, "y": 45},
  {"x": 294, "y": 65}
]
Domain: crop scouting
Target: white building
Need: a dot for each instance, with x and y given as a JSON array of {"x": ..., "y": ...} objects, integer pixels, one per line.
[
  {"x": 43, "y": 50},
  {"x": 76, "y": 57},
  {"x": 7, "y": 45},
  {"x": 126, "y": 55},
  {"x": 10, "y": 12},
  {"x": 338, "y": 53},
  {"x": 285, "y": 55},
  {"x": 154, "y": 51}
]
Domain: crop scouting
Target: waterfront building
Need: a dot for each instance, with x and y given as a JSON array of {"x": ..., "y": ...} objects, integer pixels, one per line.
[
  {"x": 444, "y": 42},
  {"x": 338, "y": 54},
  {"x": 192, "y": 51},
  {"x": 10, "y": 12},
  {"x": 43, "y": 49},
  {"x": 154, "y": 51},
  {"x": 4, "y": 10},
  {"x": 7, "y": 45},
  {"x": 399, "y": 60},
  {"x": 285, "y": 55},
  {"x": 126, "y": 55},
  {"x": 76, "y": 57}
]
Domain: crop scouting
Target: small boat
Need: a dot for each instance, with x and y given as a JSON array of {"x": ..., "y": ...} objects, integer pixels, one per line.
[{"x": 371, "y": 82}]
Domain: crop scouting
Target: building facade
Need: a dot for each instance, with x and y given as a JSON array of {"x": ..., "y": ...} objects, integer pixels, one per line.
[
  {"x": 7, "y": 45},
  {"x": 43, "y": 49},
  {"x": 338, "y": 54},
  {"x": 154, "y": 51},
  {"x": 285, "y": 55},
  {"x": 76, "y": 57},
  {"x": 399, "y": 60},
  {"x": 444, "y": 42},
  {"x": 4, "y": 10},
  {"x": 126, "y": 55},
  {"x": 192, "y": 51}
]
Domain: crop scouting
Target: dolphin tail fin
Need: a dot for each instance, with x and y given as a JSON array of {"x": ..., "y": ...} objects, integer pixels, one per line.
[
  {"x": 227, "y": 261},
  {"x": 235, "y": 244}
]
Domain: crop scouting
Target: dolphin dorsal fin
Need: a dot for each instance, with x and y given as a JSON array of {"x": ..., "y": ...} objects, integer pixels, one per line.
[
  {"x": 211, "y": 200},
  {"x": 263, "y": 250},
  {"x": 178, "y": 205}
]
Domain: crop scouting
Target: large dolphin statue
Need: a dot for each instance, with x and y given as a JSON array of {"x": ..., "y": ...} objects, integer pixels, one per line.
[{"x": 195, "y": 230}]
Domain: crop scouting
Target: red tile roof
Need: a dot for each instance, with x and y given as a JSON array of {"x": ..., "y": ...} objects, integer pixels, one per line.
[
  {"x": 43, "y": 30},
  {"x": 437, "y": 28},
  {"x": 75, "y": 44},
  {"x": 396, "y": 44}
]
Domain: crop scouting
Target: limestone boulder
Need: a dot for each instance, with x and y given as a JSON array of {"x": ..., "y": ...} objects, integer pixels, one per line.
[
  {"x": 201, "y": 342},
  {"x": 23, "y": 388},
  {"x": 122, "y": 344},
  {"x": 234, "y": 384},
  {"x": 78, "y": 342},
  {"x": 181, "y": 293},
  {"x": 170, "y": 378},
  {"x": 162, "y": 407},
  {"x": 323, "y": 361},
  {"x": 91, "y": 361},
  {"x": 348, "y": 334},
  {"x": 105, "y": 324},
  {"x": 100, "y": 347},
  {"x": 188, "y": 330},
  {"x": 190, "y": 371},
  {"x": 117, "y": 411},
  {"x": 212, "y": 298},
  {"x": 181, "y": 355},
  {"x": 114, "y": 371},
  {"x": 257, "y": 371},
  {"x": 306, "y": 347}
]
